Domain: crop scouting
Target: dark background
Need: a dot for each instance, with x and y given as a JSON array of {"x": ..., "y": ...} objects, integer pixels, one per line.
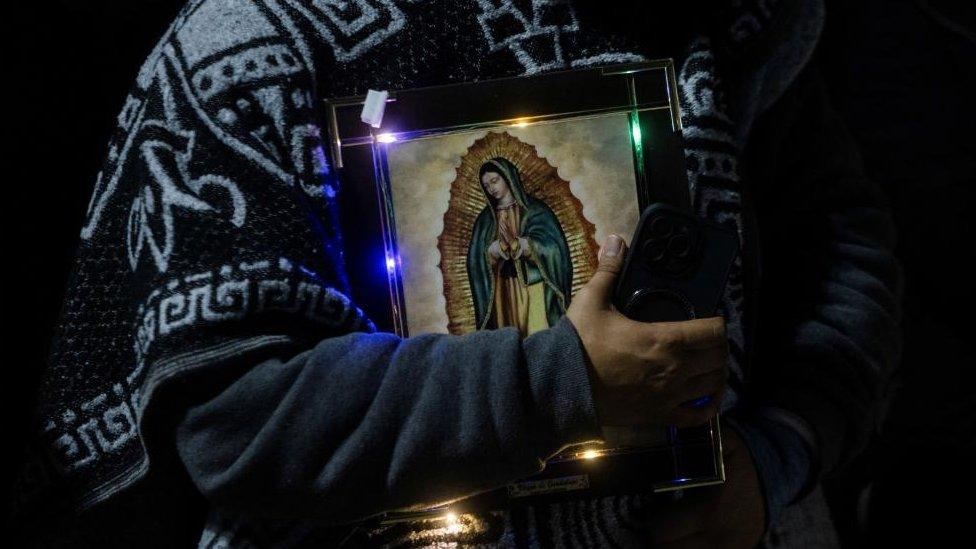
[{"x": 902, "y": 73}]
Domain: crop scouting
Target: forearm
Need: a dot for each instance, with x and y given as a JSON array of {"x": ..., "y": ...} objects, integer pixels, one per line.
[
  {"x": 366, "y": 423},
  {"x": 844, "y": 346},
  {"x": 783, "y": 453}
]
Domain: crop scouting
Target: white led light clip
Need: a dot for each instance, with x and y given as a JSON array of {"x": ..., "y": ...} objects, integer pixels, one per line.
[{"x": 374, "y": 107}]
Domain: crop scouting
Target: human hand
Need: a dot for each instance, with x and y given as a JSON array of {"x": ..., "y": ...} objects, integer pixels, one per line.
[
  {"x": 524, "y": 248},
  {"x": 730, "y": 515},
  {"x": 495, "y": 250},
  {"x": 644, "y": 372}
]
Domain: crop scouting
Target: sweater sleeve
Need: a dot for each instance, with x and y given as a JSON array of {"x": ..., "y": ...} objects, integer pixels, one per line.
[
  {"x": 365, "y": 423},
  {"x": 781, "y": 454},
  {"x": 828, "y": 329}
]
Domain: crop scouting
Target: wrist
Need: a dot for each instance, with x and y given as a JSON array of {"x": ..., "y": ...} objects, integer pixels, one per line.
[
  {"x": 800, "y": 428},
  {"x": 782, "y": 459}
]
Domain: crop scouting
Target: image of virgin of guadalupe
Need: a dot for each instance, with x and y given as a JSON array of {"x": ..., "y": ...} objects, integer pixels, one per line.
[{"x": 519, "y": 265}]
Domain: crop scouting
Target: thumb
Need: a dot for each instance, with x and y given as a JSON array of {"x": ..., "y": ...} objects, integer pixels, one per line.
[{"x": 611, "y": 258}]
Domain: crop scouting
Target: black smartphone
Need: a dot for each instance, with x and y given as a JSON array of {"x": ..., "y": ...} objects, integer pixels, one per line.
[{"x": 677, "y": 267}]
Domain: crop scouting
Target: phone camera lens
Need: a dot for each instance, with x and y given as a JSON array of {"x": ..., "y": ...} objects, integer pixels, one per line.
[
  {"x": 654, "y": 250},
  {"x": 680, "y": 246},
  {"x": 662, "y": 227}
]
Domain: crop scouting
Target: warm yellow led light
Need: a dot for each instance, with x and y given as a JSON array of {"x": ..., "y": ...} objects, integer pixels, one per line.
[
  {"x": 590, "y": 454},
  {"x": 453, "y": 525},
  {"x": 520, "y": 123}
]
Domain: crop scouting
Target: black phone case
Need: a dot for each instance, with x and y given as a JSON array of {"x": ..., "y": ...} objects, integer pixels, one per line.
[{"x": 677, "y": 267}]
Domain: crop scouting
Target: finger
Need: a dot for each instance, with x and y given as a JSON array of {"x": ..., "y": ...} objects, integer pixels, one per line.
[
  {"x": 704, "y": 361},
  {"x": 611, "y": 262},
  {"x": 706, "y": 384},
  {"x": 686, "y": 416},
  {"x": 700, "y": 333},
  {"x": 691, "y": 417}
]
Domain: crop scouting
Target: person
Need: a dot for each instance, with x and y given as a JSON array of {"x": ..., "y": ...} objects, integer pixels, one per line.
[
  {"x": 926, "y": 172},
  {"x": 518, "y": 263},
  {"x": 212, "y": 380}
]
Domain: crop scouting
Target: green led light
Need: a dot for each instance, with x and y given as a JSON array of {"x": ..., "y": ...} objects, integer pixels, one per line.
[
  {"x": 638, "y": 136},
  {"x": 636, "y": 131}
]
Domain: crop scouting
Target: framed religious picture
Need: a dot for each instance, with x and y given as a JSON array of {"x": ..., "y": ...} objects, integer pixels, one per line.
[{"x": 489, "y": 200}]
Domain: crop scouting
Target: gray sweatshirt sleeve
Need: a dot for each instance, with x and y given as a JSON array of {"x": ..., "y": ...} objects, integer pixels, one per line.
[{"x": 370, "y": 422}]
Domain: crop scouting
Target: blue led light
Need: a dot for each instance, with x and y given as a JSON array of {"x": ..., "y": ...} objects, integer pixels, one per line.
[{"x": 701, "y": 401}]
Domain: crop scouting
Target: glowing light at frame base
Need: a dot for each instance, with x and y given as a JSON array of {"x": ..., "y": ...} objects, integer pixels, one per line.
[
  {"x": 386, "y": 138},
  {"x": 590, "y": 454},
  {"x": 391, "y": 263},
  {"x": 453, "y": 524}
]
